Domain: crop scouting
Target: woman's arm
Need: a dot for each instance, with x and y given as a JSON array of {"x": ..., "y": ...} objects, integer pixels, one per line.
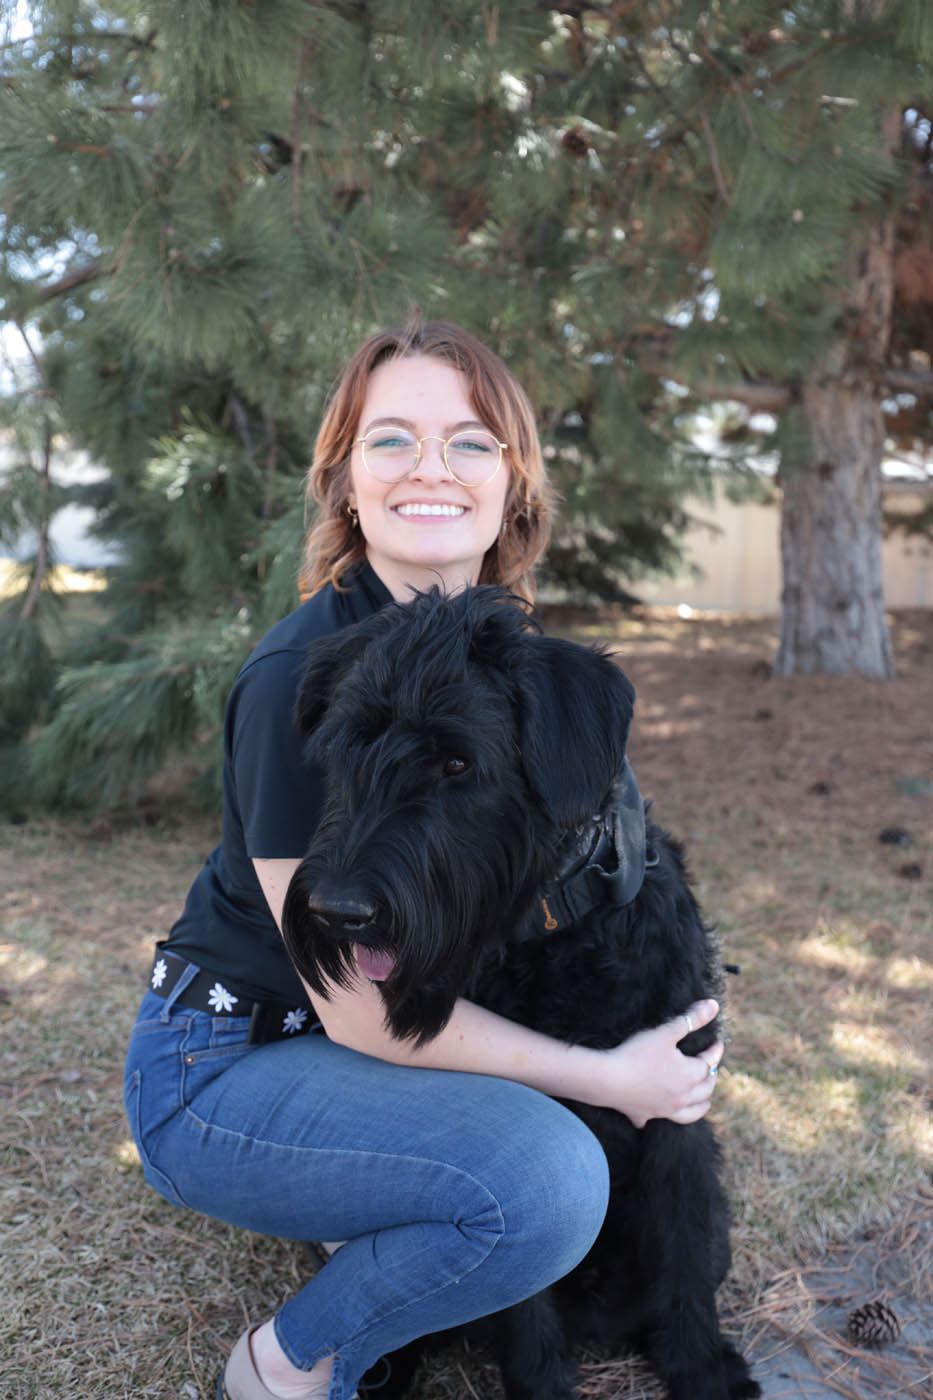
[{"x": 644, "y": 1077}]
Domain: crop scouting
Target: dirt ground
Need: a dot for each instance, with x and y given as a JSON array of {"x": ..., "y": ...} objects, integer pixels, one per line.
[
  {"x": 812, "y": 750},
  {"x": 806, "y": 806}
]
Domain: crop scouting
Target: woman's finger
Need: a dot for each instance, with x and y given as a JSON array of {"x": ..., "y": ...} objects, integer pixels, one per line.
[
  {"x": 697, "y": 1015},
  {"x": 711, "y": 1058},
  {"x": 707, "y": 1067}
]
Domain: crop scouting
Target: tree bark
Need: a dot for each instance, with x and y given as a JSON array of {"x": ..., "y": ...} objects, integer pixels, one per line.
[{"x": 832, "y": 606}]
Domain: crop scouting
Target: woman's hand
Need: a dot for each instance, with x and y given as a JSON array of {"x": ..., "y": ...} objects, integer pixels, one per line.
[
  {"x": 648, "y": 1077},
  {"x": 644, "y": 1077}
]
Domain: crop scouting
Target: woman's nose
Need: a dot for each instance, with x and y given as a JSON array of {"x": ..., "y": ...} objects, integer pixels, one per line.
[{"x": 431, "y": 464}]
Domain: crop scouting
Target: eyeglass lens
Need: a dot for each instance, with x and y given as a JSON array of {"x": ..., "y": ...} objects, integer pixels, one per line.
[{"x": 391, "y": 453}]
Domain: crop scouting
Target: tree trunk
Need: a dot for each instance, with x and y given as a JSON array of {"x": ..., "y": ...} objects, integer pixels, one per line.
[{"x": 832, "y": 608}]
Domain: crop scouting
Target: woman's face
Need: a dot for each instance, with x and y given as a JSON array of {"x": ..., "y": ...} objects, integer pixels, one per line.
[{"x": 426, "y": 528}]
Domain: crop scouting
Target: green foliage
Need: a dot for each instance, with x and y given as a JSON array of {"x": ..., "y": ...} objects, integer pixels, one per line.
[
  {"x": 27, "y": 677},
  {"x": 205, "y": 207},
  {"x": 117, "y": 723}
]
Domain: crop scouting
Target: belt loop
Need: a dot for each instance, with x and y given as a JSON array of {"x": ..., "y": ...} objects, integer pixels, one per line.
[{"x": 185, "y": 980}]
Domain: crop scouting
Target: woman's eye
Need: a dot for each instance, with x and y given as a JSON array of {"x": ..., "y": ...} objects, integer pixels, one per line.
[
  {"x": 453, "y": 767},
  {"x": 471, "y": 445},
  {"x": 389, "y": 443}
]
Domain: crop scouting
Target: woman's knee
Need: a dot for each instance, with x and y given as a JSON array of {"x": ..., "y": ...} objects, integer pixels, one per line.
[{"x": 559, "y": 1195}]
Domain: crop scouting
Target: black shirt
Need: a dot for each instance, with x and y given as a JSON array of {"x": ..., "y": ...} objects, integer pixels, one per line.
[{"x": 271, "y": 804}]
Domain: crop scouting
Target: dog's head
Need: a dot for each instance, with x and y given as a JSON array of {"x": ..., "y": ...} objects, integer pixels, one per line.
[{"x": 459, "y": 746}]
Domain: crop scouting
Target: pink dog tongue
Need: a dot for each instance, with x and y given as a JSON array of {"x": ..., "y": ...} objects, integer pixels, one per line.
[{"x": 375, "y": 965}]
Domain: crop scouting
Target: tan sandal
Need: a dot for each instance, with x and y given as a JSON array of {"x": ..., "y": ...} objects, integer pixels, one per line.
[{"x": 240, "y": 1380}]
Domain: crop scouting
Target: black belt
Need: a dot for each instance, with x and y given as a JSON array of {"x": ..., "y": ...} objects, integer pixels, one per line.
[{"x": 268, "y": 1020}]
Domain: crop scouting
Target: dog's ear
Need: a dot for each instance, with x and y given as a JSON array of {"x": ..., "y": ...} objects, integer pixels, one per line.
[
  {"x": 327, "y": 662},
  {"x": 575, "y": 707}
]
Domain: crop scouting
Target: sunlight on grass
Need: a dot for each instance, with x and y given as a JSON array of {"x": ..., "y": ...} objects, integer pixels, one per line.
[
  {"x": 759, "y": 889},
  {"x": 126, "y": 1155},
  {"x": 20, "y": 964},
  {"x": 909, "y": 972},
  {"x": 873, "y": 1046},
  {"x": 834, "y": 947},
  {"x": 799, "y": 1115}
]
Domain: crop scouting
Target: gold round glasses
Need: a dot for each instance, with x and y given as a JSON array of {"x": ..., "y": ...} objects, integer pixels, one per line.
[{"x": 472, "y": 457}]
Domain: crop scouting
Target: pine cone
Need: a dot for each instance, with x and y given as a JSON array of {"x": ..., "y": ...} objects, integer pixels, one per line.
[{"x": 873, "y": 1324}]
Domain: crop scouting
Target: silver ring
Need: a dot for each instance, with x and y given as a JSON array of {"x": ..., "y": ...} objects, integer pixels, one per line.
[
  {"x": 712, "y": 1071},
  {"x": 688, "y": 1021}
]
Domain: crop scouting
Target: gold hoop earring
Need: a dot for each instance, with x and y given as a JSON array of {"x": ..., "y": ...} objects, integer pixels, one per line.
[{"x": 353, "y": 514}]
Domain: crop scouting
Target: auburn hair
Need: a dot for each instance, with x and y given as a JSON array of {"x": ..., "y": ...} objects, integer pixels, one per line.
[{"x": 334, "y": 543}]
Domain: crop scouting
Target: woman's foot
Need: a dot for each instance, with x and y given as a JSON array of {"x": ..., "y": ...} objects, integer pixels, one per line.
[{"x": 258, "y": 1369}]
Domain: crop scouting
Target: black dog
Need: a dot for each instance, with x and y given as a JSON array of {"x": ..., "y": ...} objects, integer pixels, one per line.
[{"x": 482, "y": 836}]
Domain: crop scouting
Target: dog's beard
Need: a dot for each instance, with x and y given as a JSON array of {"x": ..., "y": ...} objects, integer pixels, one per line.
[{"x": 436, "y": 910}]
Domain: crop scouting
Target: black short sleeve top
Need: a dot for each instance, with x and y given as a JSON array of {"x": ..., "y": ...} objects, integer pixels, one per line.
[{"x": 271, "y": 802}]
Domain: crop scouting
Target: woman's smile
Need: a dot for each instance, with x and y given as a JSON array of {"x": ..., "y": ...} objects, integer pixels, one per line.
[{"x": 429, "y": 510}]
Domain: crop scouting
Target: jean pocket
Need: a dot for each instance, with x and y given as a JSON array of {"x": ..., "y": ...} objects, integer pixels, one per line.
[
  {"x": 209, "y": 1054},
  {"x": 132, "y": 1096},
  {"x": 216, "y": 1038}
]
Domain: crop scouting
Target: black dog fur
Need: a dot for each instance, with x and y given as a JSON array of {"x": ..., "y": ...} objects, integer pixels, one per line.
[{"x": 460, "y": 747}]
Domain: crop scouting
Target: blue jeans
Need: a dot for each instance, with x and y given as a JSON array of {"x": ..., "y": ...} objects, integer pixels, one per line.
[{"x": 458, "y": 1194}]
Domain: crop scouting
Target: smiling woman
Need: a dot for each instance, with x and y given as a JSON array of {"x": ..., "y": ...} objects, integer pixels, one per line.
[{"x": 256, "y": 1099}]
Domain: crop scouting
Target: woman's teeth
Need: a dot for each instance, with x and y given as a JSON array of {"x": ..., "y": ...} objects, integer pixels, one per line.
[{"x": 420, "y": 508}]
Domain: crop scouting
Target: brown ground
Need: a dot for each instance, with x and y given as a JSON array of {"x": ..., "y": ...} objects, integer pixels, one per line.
[{"x": 782, "y": 791}]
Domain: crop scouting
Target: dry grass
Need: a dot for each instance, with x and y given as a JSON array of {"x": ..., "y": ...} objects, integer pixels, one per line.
[{"x": 780, "y": 789}]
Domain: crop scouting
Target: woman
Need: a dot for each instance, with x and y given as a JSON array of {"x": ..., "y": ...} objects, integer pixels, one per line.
[{"x": 456, "y": 1182}]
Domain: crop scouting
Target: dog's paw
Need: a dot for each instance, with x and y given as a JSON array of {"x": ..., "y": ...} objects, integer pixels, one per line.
[
  {"x": 739, "y": 1380},
  {"x": 727, "y": 1377}
]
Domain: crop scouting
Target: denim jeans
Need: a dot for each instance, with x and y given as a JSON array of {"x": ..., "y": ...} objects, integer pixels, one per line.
[{"x": 457, "y": 1194}]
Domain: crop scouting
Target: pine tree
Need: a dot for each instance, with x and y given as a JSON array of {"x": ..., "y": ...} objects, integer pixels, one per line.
[
  {"x": 205, "y": 210},
  {"x": 28, "y": 502},
  {"x": 768, "y": 179},
  {"x": 643, "y": 208}
]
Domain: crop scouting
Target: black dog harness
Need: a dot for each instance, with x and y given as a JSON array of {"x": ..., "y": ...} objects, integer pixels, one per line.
[{"x": 602, "y": 862}]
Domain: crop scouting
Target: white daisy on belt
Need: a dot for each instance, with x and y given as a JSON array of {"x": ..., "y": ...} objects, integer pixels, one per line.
[{"x": 220, "y": 999}]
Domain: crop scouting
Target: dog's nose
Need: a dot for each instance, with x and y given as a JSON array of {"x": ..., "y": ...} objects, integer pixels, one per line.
[{"x": 341, "y": 913}]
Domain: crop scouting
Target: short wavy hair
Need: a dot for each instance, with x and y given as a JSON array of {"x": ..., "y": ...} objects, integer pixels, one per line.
[{"x": 333, "y": 544}]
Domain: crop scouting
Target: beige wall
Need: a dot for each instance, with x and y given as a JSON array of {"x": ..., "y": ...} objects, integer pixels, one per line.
[{"x": 740, "y": 559}]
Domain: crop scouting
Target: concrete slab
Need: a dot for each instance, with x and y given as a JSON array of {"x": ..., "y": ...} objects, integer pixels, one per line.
[{"x": 802, "y": 1350}]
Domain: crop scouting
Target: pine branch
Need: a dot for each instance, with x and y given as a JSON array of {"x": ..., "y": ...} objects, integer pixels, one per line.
[
  {"x": 37, "y": 363},
  {"x": 714, "y": 156},
  {"x": 41, "y": 567},
  {"x": 306, "y": 50},
  {"x": 44, "y": 523},
  {"x": 272, "y": 462},
  {"x": 132, "y": 108},
  {"x": 654, "y": 353},
  {"x": 907, "y": 381},
  {"x": 88, "y": 273}
]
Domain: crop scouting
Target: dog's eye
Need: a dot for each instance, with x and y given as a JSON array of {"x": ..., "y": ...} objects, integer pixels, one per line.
[{"x": 453, "y": 767}]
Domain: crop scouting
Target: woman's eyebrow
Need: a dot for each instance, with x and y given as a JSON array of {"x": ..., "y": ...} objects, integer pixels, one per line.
[{"x": 407, "y": 423}]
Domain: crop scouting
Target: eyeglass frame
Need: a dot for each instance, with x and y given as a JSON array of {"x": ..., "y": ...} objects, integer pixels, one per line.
[{"x": 435, "y": 437}]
